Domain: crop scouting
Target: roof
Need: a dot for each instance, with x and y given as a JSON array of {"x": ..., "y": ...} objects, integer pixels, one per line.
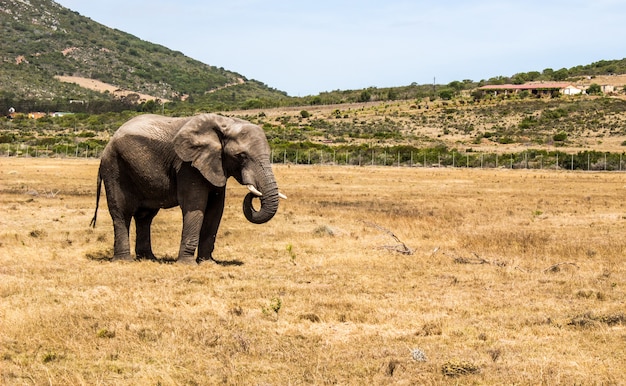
[{"x": 528, "y": 86}]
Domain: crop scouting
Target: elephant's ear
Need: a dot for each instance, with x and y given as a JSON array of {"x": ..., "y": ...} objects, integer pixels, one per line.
[{"x": 198, "y": 141}]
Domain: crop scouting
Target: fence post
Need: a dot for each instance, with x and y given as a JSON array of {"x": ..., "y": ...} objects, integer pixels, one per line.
[
  {"x": 526, "y": 159},
  {"x": 557, "y": 161}
]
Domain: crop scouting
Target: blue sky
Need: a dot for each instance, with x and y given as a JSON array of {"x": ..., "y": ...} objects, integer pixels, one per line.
[{"x": 305, "y": 48}]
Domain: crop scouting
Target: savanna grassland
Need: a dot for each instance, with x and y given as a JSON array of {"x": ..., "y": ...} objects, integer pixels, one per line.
[{"x": 516, "y": 277}]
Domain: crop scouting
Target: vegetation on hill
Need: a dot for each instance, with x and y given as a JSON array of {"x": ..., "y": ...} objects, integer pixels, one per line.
[
  {"x": 41, "y": 39},
  {"x": 583, "y": 132}
]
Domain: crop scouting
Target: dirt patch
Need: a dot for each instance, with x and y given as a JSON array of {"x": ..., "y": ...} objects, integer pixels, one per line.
[{"x": 99, "y": 86}]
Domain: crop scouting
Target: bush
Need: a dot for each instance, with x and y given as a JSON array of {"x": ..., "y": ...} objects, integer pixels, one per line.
[
  {"x": 560, "y": 137},
  {"x": 446, "y": 94},
  {"x": 594, "y": 89}
]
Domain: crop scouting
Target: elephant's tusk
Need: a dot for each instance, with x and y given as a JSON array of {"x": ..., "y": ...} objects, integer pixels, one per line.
[
  {"x": 254, "y": 191},
  {"x": 282, "y": 196}
]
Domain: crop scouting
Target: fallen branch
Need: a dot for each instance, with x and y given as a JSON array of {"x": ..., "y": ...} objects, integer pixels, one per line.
[
  {"x": 557, "y": 267},
  {"x": 43, "y": 193},
  {"x": 400, "y": 247},
  {"x": 51, "y": 193}
]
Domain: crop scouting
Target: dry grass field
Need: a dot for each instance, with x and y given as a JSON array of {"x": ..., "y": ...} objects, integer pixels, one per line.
[{"x": 516, "y": 277}]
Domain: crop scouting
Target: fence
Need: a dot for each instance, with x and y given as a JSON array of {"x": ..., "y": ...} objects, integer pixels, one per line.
[
  {"x": 430, "y": 157},
  {"x": 56, "y": 151},
  {"x": 530, "y": 159}
]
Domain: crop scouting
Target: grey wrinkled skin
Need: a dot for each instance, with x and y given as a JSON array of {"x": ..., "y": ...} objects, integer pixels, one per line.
[{"x": 155, "y": 162}]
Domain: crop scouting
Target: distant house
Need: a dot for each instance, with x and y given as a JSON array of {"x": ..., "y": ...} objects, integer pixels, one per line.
[
  {"x": 58, "y": 114},
  {"x": 607, "y": 89},
  {"x": 533, "y": 88}
]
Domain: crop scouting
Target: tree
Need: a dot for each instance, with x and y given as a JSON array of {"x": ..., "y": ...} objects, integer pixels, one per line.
[
  {"x": 148, "y": 106},
  {"x": 316, "y": 100},
  {"x": 446, "y": 94},
  {"x": 533, "y": 75},
  {"x": 561, "y": 74},
  {"x": 594, "y": 89},
  {"x": 456, "y": 85},
  {"x": 365, "y": 96},
  {"x": 520, "y": 78}
]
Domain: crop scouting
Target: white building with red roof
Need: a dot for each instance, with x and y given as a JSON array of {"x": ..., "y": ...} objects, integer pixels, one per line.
[{"x": 546, "y": 88}]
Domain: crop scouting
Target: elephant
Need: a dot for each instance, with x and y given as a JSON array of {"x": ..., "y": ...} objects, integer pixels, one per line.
[{"x": 154, "y": 162}]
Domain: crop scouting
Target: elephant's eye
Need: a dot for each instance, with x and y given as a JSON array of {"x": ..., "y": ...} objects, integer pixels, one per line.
[{"x": 242, "y": 156}]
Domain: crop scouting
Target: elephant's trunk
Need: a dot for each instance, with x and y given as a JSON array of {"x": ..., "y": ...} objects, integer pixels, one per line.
[{"x": 268, "y": 188}]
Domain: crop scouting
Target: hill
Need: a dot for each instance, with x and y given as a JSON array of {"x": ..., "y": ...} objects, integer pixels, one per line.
[
  {"x": 43, "y": 41},
  {"x": 53, "y": 59}
]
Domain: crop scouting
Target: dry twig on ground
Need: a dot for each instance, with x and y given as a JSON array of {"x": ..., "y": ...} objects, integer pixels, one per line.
[
  {"x": 400, "y": 247},
  {"x": 557, "y": 267}
]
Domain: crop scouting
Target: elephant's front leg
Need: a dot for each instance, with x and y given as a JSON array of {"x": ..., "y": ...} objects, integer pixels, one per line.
[
  {"x": 212, "y": 218},
  {"x": 192, "y": 223}
]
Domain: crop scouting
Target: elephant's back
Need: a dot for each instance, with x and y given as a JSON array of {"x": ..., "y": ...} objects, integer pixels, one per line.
[{"x": 150, "y": 126}]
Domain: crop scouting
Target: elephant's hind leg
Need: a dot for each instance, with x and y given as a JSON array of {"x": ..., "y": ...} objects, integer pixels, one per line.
[
  {"x": 121, "y": 246},
  {"x": 143, "y": 221}
]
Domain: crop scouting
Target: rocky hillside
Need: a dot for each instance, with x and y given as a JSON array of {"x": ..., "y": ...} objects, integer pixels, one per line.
[{"x": 41, "y": 40}]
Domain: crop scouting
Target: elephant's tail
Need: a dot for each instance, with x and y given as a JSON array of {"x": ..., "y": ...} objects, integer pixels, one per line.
[{"x": 95, "y": 215}]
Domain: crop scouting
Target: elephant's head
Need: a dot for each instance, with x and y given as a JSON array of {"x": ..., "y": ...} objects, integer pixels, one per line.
[{"x": 221, "y": 147}]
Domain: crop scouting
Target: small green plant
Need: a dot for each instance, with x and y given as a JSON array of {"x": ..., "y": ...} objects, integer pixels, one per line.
[
  {"x": 292, "y": 254},
  {"x": 276, "y": 304},
  {"x": 274, "y": 307},
  {"x": 105, "y": 333},
  {"x": 49, "y": 357}
]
